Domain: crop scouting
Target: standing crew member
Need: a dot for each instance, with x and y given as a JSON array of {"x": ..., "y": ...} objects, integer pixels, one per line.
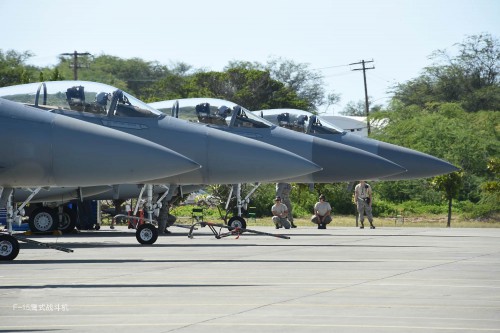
[{"x": 363, "y": 198}]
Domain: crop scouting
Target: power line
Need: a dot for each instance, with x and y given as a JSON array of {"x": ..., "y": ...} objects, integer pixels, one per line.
[
  {"x": 75, "y": 62},
  {"x": 317, "y": 69},
  {"x": 364, "y": 69},
  {"x": 338, "y": 74}
]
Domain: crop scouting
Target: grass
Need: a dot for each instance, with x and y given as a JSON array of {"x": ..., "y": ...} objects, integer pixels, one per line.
[
  {"x": 438, "y": 221},
  {"x": 429, "y": 220}
]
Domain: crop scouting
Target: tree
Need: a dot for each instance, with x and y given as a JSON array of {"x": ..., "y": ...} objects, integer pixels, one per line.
[
  {"x": 134, "y": 75},
  {"x": 449, "y": 185},
  {"x": 307, "y": 84},
  {"x": 354, "y": 109},
  {"x": 358, "y": 108},
  {"x": 443, "y": 130},
  {"x": 13, "y": 68},
  {"x": 251, "y": 88},
  {"x": 174, "y": 84},
  {"x": 447, "y": 131},
  {"x": 298, "y": 77},
  {"x": 491, "y": 188},
  {"x": 471, "y": 78}
]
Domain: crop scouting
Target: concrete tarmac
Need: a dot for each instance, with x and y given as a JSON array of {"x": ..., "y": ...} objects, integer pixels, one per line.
[{"x": 335, "y": 280}]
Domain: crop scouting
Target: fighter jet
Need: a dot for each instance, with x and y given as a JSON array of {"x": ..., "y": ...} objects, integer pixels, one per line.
[
  {"x": 353, "y": 124},
  {"x": 225, "y": 158},
  {"x": 418, "y": 164},
  {"x": 44, "y": 149},
  {"x": 339, "y": 162}
]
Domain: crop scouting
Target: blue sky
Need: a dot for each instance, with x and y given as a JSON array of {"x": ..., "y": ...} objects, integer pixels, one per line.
[{"x": 399, "y": 35}]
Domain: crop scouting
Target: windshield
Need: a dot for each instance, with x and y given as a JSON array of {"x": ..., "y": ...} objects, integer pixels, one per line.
[
  {"x": 80, "y": 96},
  {"x": 300, "y": 121},
  {"x": 213, "y": 111},
  {"x": 241, "y": 117}
]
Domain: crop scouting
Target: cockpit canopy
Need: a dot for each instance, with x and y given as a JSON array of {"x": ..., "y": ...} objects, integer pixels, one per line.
[
  {"x": 213, "y": 111},
  {"x": 300, "y": 121},
  {"x": 82, "y": 96}
]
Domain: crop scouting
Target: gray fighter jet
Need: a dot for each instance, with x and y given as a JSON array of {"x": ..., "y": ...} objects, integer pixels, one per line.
[
  {"x": 419, "y": 165},
  {"x": 40, "y": 148},
  {"x": 44, "y": 149},
  {"x": 225, "y": 158},
  {"x": 339, "y": 162}
]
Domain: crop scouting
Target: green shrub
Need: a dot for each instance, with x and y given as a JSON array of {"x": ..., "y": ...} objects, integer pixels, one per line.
[
  {"x": 299, "y": 211},
  {"x": 209, "y": 213},
  {"x": 383, "y": 208},
  {"x": 477, "y": 210}
]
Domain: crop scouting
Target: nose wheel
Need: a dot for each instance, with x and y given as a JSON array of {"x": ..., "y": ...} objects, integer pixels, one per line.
[
  {"x": 146, "y": 233},
  {"x": 9, "y": 247},
  {"x": 236, "y": 222}
]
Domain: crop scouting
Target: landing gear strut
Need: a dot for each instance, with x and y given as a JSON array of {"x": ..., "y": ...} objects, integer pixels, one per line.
[
  {"x": 146, "y": 233},
  {"x": 238, "y": 221},
  {"x": 9, "y": 243}
]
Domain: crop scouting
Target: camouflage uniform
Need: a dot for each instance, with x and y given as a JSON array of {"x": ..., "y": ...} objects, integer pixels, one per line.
[
  {"x": 279, "y": 217},
  {"x": 283, "y": 190},
  {"x": 363, "y": 196}
]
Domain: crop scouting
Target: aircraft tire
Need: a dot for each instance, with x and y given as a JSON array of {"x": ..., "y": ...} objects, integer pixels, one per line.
[
  {"x": 9, "y": 247},
  {"x": 146, "y": 234},
  {"x": 68, "y": 221},
  {"x": 43, "y": 219},
  {"x": 237, "y": 222}
]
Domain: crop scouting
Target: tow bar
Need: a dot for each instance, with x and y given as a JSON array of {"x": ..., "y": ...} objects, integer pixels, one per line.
[
  {"x": 232, "y": 231},
  {"x": 47, "y": 245}
]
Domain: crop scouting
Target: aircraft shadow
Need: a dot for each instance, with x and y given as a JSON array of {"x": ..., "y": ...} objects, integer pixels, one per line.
[
  {"x": 107, "y": 286},
  {"x": 32, "y": 330},
  {"x": 120, "y": 261},
  {"x": 215, "y": 245},
  {"x": 204, "y": 233}
]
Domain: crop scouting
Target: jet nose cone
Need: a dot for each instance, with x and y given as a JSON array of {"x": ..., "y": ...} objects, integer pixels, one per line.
[
  {"x": 345, "y": 163},
  {"x": 419, "y": 165},
  {"x": 248, "y": 160},
  {"x": 86, "y": 154}
]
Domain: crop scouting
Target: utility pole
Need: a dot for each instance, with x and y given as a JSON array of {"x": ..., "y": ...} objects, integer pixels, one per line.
[
  {"x": 364, "y": 68},
  {"x": 75, "y": 62}
]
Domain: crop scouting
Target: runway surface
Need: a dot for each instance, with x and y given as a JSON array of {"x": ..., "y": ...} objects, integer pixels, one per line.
[{"x": 333, "y": 280}]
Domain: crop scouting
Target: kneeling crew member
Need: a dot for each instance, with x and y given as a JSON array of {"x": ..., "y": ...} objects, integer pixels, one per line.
[
  {"x": 322, "y": 210},
  {"x": 280, "y": 214}
]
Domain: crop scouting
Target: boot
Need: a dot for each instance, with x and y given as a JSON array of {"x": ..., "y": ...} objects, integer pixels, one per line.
[{"x": 162, "y": 225}]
